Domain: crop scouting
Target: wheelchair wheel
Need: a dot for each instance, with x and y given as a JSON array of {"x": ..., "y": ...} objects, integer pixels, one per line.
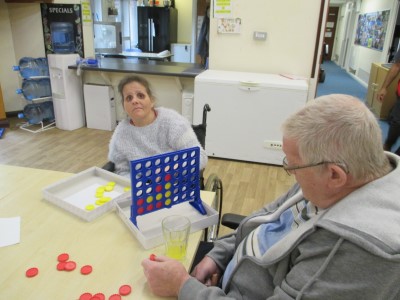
[{"x": 214, "y": 184}]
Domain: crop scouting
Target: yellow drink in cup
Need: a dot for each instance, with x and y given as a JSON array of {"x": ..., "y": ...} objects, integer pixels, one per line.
[
  {"x": 176, "y": 231},
  {"x": 176, "y": 251}
]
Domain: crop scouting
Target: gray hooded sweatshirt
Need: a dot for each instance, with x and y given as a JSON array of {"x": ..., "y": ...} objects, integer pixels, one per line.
[{"x": 349, "y": 251}]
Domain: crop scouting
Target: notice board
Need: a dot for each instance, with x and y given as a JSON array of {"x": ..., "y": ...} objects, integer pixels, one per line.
[
  {"x": 371, "y": 29},
  {"x": 62, "y": 28}
]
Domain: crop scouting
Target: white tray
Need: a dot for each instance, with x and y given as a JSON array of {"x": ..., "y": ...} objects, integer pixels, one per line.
[
  {"x": 74, "y": 193},
  {"x": 149, "y": 232}
]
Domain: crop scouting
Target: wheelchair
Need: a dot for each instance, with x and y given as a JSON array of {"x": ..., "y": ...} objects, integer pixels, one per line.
[{"x": 212, "y": 184}]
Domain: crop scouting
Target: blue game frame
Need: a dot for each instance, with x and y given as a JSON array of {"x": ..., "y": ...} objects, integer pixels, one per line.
[{"x": 164, "y": 180}]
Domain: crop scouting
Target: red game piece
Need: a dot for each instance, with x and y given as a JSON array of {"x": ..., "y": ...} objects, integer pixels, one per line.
[
  {"x": 99, "y": 296},
  {"x": 85, "y": 296},
  {"x": 152, "y": 257},
  {"x": 125, "y": 290},
  {"x": 70, "y": 265},
  {"x": 85, "y": 270},
  {"x": 63, "y": 257},
  {"x": 61, "y": 266},
  {"x": 115, "y": 297},
  {"x": 32, "y": 272}
]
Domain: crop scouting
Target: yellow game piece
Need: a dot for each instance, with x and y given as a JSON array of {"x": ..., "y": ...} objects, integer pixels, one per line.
[
  {"x": 159, "y": 196},
  {"x": 99, "y": 194},
  {"x": 168, "y": 202},
  {"x": 100, "y": 189},
  {"x": 109, "y": 188},
  {"x": 99, "y": 202},
  {"x": 90, "y": 207},
  {"x": 128, "y": 188},
  {"x": 111, "y": 183},
  {"x": 167, "y": 194},
  {"x": 105, "y": 199}
]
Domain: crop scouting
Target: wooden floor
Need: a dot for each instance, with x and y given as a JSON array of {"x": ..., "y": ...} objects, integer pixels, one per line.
[{"x": 246, "y": 186}]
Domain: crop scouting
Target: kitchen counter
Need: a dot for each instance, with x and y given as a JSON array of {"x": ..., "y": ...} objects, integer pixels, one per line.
[{"x": 150, "y": 67}]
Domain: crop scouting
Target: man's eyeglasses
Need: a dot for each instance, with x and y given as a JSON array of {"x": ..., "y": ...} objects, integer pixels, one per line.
[{"x": 289, "y": 170}]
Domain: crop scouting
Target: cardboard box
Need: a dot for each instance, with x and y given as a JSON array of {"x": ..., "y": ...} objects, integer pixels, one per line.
[{"x": 73, "y": 194}]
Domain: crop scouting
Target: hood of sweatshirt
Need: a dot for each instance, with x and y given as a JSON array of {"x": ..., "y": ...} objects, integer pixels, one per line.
[{"x": 370, "y": 216}]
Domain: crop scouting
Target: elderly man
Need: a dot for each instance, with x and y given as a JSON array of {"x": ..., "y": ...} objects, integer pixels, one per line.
[{"x": 333, "y": 235}]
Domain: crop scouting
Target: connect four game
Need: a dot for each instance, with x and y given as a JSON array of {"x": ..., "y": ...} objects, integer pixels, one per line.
[{"x": 164, "y": 180}]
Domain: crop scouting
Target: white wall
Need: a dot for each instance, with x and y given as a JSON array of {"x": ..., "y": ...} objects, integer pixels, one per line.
[
  {"x": 28, "y": 43},
  {"x": 291, "y": 27},
  {"x": 8, "y": 78},
  {"x": 184, "y": 8},
  {"x": 291, "y": 30},
  {"x": 340, "y": 32},
  {"x": 360, "y": 58},
  {"x": 364, "y": 57},
  {"x": 21, "y": 34}
]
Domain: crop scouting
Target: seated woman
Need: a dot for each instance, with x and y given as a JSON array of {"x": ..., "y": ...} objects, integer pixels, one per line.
[{"x": 148, "y": 130}]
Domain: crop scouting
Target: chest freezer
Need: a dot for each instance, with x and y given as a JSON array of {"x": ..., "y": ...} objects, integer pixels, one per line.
[{"x": 247, "y": 110}]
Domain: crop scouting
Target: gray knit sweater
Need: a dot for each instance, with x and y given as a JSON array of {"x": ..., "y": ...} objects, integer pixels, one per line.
[
  {"x": 169, "y": 132},
  {"x": 349, "y": 251}
]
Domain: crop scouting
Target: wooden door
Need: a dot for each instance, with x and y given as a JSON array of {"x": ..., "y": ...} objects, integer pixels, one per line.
[
  {"x": 330, "y": 30},
  {"x": 2, "y": 110}
]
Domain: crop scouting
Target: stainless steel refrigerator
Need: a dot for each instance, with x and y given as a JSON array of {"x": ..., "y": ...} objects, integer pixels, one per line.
[{"x": 157, "y": 28}]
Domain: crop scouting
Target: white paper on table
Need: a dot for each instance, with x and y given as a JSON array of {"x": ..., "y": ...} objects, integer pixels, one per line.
[{"x": 9, "y": 231}]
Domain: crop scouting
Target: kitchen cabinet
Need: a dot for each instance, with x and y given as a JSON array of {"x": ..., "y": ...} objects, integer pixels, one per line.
[
  {"x": 157, "y": 28},
  {"x": 376, "y": 78}
]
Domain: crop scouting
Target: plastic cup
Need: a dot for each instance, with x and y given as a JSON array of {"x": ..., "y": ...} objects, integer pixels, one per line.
[{"x": 176, "y": 231}]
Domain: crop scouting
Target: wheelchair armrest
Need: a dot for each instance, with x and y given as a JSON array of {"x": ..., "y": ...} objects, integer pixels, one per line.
[
  {"x": 232, "y": 220},
  {"x": 109, "y": 166}
]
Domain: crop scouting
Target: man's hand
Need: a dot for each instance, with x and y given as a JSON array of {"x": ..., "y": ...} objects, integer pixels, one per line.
[
  {"x": 207, "y": 272},
  {"x": 165, "y": 276}
]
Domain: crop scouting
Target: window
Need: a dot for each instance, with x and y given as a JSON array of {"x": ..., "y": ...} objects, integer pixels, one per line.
[{"x": 124, "y": 12}]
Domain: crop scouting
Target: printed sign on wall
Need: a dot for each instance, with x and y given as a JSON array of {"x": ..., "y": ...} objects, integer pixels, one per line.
[
  {"x": 62, "y": 28},
  {"x": 371, "y": 29}
]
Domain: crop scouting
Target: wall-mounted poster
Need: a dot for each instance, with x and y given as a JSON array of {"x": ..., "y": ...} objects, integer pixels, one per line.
[
  {"x": 229, "y": 25},
  {"x": 62, "y": 28},
  {"x": 371, "y": 29}
]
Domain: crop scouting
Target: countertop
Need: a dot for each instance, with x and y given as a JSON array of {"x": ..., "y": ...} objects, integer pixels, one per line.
[{"x": 152, "y": 67}]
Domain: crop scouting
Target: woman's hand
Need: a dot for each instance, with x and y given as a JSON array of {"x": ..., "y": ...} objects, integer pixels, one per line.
[{"x": 381, "y": 94}]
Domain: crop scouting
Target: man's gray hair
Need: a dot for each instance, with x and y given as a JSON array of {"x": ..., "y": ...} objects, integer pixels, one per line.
[{"x": 339, "y": 128}]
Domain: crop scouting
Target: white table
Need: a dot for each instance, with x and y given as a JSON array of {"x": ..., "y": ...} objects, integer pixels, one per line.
[{"x": 47, "y": 231}]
